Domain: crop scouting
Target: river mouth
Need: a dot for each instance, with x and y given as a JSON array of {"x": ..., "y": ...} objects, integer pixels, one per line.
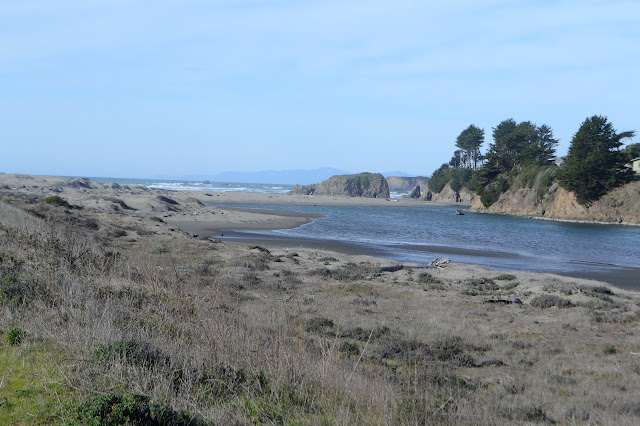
[{"x": 419, "y": 234}]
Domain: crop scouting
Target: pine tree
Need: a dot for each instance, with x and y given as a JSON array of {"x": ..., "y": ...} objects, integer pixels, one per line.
[{"x": 595, "y": 165}]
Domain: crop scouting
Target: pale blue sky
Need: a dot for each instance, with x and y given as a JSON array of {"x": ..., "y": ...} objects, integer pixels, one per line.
[{"x": 137, "y": 88}]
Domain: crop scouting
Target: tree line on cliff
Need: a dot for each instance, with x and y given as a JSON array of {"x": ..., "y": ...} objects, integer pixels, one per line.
[{"x": 594, "y": 165}]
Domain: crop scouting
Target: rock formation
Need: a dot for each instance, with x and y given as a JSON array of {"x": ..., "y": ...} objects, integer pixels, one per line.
[
  {"x": 464, "y": 196},
  {"x": 415, "y": 192},
  {"x": 405, "y": 184},
  {"x": 621, "y": 205},
  {"x": 372, "y": 185}
]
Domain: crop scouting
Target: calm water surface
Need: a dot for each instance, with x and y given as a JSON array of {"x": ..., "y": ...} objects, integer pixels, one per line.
[{"x": 421, "y": 233}]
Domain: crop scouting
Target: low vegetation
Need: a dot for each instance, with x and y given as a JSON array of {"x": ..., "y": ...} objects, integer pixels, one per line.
[{"x": 165, "y": 328}]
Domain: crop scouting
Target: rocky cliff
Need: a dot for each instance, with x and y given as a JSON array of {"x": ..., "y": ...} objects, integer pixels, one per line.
[
  {"x": 622, "y": 205},
  {"x": 406, "y": 184},
  {"x": 464, "y": 196},
  {"x": 372, "y": 185}
]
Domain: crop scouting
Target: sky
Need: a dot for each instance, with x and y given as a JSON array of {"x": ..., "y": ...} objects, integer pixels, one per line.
[{"x": 126, "y": 88}]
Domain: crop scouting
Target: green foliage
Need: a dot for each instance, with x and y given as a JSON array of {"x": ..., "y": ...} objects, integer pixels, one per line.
[
  {"x": 129, "y": 409},
  {"x": 57, "y": 201},
  {"x": 364, "y": 335},
  {"x": 32, "y": 390},
  {"x": 469, "y": 142},
  {"x": 482, "y": 285},
  {"x": 426, "y": 278},
  {"x": 517, "y": 153},
  {"x": 439, "y": 179},
  {"x": 517, "y": 144},
  {"x": 632, "y": 151},
  {"x": 318, "y": 325},
  {"x": 130, "y": 351},
  {"x": 491, "y": 192},
  {"x": 349, "y": 348},
  {"x": 594, "y": 165},
  {"x": 456, "y": 177},
  {"x": 18, "y": 293},
  {"x": 610, "y": 350},
  {"x": 15, "y": 336},
  {"x": 505, "y": 277},
  {"x": 548, "y": 300}
]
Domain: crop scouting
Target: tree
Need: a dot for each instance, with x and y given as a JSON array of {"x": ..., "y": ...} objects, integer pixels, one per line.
[
  {"x": 439, "y": 178},
  {"x": 595, "y": 165},
  {"x": 632, "y": 151},
  {"x": 517, "y": 144},
  {"x": 469, "y": 142},
  {"x": 456, "y": 160}
]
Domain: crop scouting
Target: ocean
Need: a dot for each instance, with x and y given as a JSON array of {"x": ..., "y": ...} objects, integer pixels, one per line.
[{"x": 183, "y": 185}]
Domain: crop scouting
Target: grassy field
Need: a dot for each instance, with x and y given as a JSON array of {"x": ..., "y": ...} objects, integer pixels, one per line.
[{"x": 108, "y": 318}]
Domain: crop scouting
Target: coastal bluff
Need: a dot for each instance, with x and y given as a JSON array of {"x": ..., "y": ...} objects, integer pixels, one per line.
[
  {"x": 369, "y": 185},
  {"x": 449, "y": 195},
  {"x": 619, "y": 206}
]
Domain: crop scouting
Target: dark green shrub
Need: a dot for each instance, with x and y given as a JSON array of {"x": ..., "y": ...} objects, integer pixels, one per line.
[
  {"x": 363, "y": 334},
  {"x": 610, "y": 350},
  {"x": 15, "y": 292},
  {"x": 548, "y": 300},
  {"x": 57, "y": 201},
  {"x": 505, "y": 277},
  {"x": 130, "y": 351},
  {"x": 510, "y": 286},
  {"x": 15, "y": 336},
  {"x": 349, "y": 348},
  {"x": 318, "y": 325},
  {"x": 262, "y": 249},
  {"x": 426, "y": 278},
  {"x": 129, "y": 409},
  {"x": 482, "y": 285},
  {"x": 599, "y": 290}
]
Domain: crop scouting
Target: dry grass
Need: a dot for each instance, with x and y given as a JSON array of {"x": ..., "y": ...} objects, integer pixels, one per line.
[{"x": 229, "y": 334}]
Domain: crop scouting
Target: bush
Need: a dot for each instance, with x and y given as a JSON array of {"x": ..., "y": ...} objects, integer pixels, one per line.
[
  {"x": 548, "y": 300},
  {"x": 349, "y": 272},
  {"x": 57, "y": 201},
  {"x": 318, "y": 325},
  {"x": 426, "y": 278},
  {"x": 129, "y": 409},
  {"x": 363, "y": 334},
  {"x": 505, "y": 277},
  {"x": 482, "y": 284},
  {"x": 17, "y": 293},
  {"x": 15, "y": 336},
  {"x": 350, "y": 348},
  {"x": 130, "y": 351}
]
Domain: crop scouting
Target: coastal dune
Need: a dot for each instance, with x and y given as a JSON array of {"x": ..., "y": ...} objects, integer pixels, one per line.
[{"x": 185, "y": 209}]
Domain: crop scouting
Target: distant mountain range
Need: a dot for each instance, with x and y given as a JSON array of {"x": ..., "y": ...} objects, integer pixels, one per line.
[{"x": 289, "y": 177}]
